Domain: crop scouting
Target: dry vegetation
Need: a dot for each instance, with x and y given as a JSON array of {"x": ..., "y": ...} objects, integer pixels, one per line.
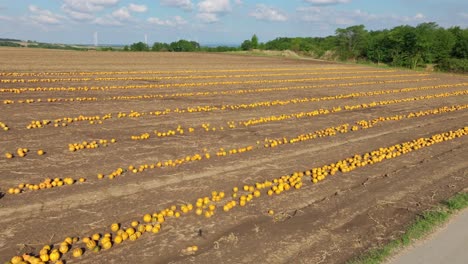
[{"x": 214, "y": 158}]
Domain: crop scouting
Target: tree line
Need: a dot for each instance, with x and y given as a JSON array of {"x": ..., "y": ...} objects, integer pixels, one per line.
[
  {"x": 402, "y": 46},
  {"x": 177, "y": 46}
]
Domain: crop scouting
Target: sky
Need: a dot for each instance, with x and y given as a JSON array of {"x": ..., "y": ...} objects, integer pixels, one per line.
[{"x": 212, "y": 21}]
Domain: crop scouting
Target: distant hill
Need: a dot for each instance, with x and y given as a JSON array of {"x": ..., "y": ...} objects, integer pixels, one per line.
[{"x": 12, "y": 40}]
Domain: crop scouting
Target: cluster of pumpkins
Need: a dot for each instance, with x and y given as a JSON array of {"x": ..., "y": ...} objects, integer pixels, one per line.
[
  {"x": 65, "y": 121},
  {"x": 381, "y": 154},
  {"x": 172, "y": 132},
  {"x": 269, "y": 143},
  {"x": 46, "y": 80},
  {"x": 170, "y": 85},
  {"x": 4, "y": 127},
  {"x": 159, "y": 78},
  {"x": 52, "y": 100},
  {"x": 206, "y": 93},
  {"x": 362, "y": 124},
  {"x": 134, "y": 114},
  {"x": 207, "y": 206},
  {"x": 22, "y": 152},
  {"x": 85, "y": 73},
  {"x": 45, "y": 184},
  {"x": 300, "y": 115},
  {"x": 72, "y": 147}
]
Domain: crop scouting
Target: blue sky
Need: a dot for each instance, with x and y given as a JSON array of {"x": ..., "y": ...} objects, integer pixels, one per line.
[{"x": 212, "y": 21}]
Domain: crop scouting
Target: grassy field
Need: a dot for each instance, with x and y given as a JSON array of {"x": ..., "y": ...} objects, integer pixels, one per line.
[{"x": 209, "y": 158}]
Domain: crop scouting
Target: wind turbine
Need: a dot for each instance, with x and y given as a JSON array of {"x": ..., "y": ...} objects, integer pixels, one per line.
[{"x": 96, "y": 39}]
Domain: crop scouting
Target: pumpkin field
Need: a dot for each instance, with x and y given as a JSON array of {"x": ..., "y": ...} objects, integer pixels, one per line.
[{"x": 121, "y": 157}]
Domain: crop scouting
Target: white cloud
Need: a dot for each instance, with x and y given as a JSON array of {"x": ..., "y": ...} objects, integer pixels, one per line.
[
  {"x": 83, "y": 10},
  {"x": 43, "y": 16},
  {"x": 208, "y": 17},
  {"x": 464, "y": 15},
  {"x": 89, "y": 6},
  {"x": 107, "y": 21},
  {"x": 214, "y": 6},
  {"x": 331, "y": 16},
  {"x": 122, "y": 14},
  {"x": 76, "y": 15},
  {"x": 419, "y": 16},
  {"x": 137, "y": 8},
  {"x": 183, "y": 4},
  {"x": 6, "y": 18},
  {"x": 112, "y": 19},
  {"x": 264, "y": 12},
  {"x": 327, "y": 2},
  {"x": 210, "y": 10},
  {"x": 174, "y": 22}
]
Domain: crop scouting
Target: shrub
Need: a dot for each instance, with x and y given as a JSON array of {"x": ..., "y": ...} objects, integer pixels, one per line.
[{"x": 453, "y": 65}]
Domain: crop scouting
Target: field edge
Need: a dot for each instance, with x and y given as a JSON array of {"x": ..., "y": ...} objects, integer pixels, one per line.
[{"x": 425, "y": 224}]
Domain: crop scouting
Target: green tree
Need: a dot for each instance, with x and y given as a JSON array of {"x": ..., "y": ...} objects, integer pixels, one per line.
[
  {"x": 377, "y": 49},
  {"x": 425, "y": 39},
  {"x": 159, "y": 46},
  {"x": 139, "y": 46},
  {"x": 443, "y": 44},
  {"x": 403, "y": 49},
  {"x": 351, "y": 42},
  {"x": 254, "y": 42},
  {"x": 246, "y": 45},
  {"x": 126, "y": 48},
  {"x": 184, "y": 46},
  {"x": 460, "y": 48},
  {"x": 295, "y": 44},
  {"x": 278, "y": 44}
]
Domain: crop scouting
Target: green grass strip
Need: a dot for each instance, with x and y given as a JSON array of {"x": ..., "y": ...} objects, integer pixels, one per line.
[{"x": 421, "y": 227}]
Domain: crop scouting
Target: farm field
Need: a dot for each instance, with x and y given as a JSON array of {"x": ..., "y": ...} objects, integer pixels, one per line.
[{"x": 219, "y": 158}]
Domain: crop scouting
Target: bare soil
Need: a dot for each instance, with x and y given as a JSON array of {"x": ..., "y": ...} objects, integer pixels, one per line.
[{"x": 329, "y": 222}]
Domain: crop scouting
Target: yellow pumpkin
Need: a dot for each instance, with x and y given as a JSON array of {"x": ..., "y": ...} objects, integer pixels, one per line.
[
  {"x": 16, "y": 260},
  {"x": 115, "y": 227},
  {"x": 147, "y": 218},
  {"x": 77, "y": 252},
  {"x": 118, "y": 239},
  {"x": 96, "y": 236},
  {"x": 91, "y": 244},
  {"x": 63, "y": 248},
  {"x": 44, "y": 257},
  {"x": 54, "y": 256},
  {"x": 107, "y": 245}
]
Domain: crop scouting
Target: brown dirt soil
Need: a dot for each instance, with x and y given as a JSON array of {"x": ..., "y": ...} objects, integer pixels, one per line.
[{"x": 328, "y": 222}]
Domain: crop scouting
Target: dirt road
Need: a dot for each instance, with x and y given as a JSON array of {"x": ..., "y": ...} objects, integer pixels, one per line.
[{"x": 448, "y": 245}]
